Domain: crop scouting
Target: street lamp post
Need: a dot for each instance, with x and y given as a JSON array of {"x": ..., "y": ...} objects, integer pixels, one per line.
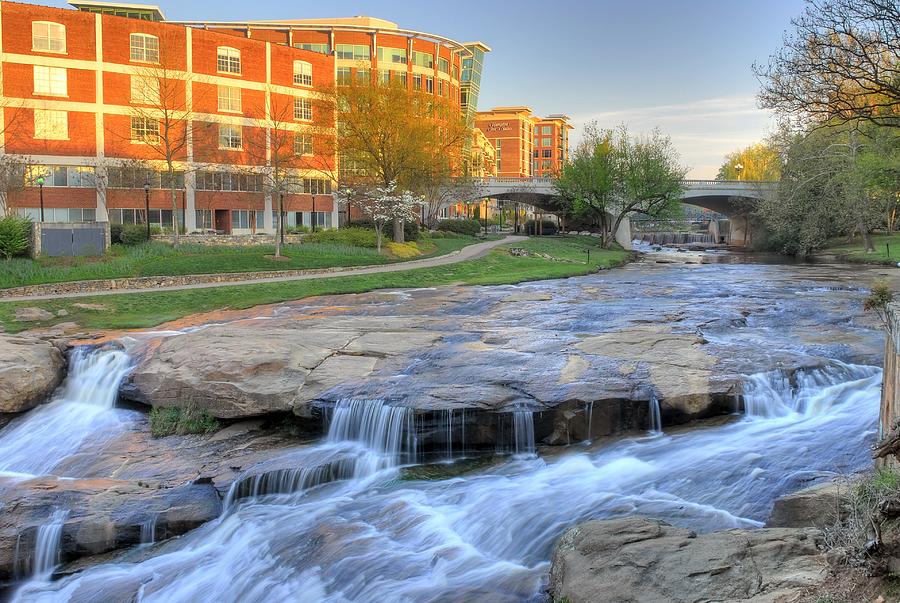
[
  {"x": 40, "y": 183},
  {"x": 147, "y": 207},
  {"x": 739, "y": 168}
]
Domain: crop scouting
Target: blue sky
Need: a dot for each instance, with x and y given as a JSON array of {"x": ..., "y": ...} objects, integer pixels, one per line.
[{"x": 683, "y": 66}]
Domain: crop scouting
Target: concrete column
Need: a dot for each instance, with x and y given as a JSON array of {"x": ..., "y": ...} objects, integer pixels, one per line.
[
  {"x": 190, "y": 213},
  {"x": 268, "y": 219}
]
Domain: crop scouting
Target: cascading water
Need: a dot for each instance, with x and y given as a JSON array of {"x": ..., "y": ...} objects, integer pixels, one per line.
[
  {"x": 655, "y": 418},
  {"x": 364, "y": 437},
  {"x": 489, "y": 536},
  {"x": 46, "y": 550},
  {"x": 35, "y": 443},
  {"x": 523, "y": 430},
  {"x": 148, "y": 531}
]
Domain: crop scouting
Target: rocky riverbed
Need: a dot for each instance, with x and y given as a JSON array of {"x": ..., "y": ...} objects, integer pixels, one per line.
[{"x": 450, "y": 372}]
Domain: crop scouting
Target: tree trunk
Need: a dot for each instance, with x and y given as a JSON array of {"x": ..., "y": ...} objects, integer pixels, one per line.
[
  {"x": 378, "y": 236},
  {"x": 174, "y": 206},
  {"x": 867, "y": 237},
  {"x": 278, "y": 217},
  {"x": 398, "y": 230}
]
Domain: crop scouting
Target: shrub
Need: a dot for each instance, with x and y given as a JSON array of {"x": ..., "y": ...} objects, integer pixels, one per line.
[
  {"x": 299, "y": 229},
  {"x": 548, "y": 227},
  {"x": 133, "y": 234},
  {"x": 411, "y": 230},
  {"x": 165, "y": 421},
  {"x": 352, "y": 237},
  {"x": 403, "y": 250},
  {"x": 466, "y": 227},
  {"x": 15, "y": 235}
]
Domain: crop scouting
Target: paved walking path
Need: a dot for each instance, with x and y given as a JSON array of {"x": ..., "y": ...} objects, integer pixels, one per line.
[{"x": 469, "y": 252}]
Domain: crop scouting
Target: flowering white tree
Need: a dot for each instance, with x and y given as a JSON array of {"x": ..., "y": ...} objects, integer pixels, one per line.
[{"x": 383, "y": 204}]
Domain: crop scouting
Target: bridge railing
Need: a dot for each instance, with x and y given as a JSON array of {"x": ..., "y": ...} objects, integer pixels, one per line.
[{"x": 715, "y": 184}]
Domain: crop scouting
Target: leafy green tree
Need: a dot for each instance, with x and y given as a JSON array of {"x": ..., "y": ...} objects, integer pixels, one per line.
[{"x": 613, "y": 175}]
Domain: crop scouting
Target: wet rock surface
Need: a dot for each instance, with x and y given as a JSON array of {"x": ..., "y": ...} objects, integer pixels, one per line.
[
  {"x": 643, "y": 560},
  {"x": 30, "y": 369},
  {"x": 168, "y": 485},
  {"x": 586, "y": 355}
]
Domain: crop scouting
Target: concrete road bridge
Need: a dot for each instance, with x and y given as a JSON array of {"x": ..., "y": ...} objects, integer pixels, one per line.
[{"x": 732, "y": 198}]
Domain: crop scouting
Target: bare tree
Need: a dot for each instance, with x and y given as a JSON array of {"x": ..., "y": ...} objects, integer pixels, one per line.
[
  {"x": 162, "y": 117},
  {"x": 841, "y": 63}
]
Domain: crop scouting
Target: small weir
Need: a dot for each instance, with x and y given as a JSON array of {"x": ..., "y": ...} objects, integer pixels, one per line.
[{"x": 674, "y": 238}]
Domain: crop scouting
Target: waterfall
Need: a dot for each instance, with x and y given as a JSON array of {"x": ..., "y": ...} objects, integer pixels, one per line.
[
  {"x": 655, "y": 419},
  {"x": 812, "y": 392},
  {"x": 590, "y": 421},
  {"x": 364, "y": 437},
  {"x": 523, "y": 430},
  {"x": 46, "y": 549},
  {"x": 36, "y": 442},
  {"x": 148, "y": 531}
]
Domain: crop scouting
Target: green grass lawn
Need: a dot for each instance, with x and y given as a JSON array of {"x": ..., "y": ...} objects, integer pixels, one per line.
[
  {"x": 855, "y": 252},
  {"x": 137, "y": 310},
  {"x": 161, "y": 259}
]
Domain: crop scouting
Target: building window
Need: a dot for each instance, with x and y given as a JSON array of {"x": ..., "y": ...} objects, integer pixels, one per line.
[
  {"x": 135, "y": 178},
  {"x": 391, "y": 55},
  {"x": 50, "y": 81},
  {"x": 546, "y": 142},
  {"x": 548, "y": 153},
  {"x": 343, "y": 76},
  {"x": 144, "y": 129},
  {"x": 303, "y": 144},
  {"x": 48, "y": 37},
  {"x": 321, "y": 48},
  {"x": 229, "y": 99},
  {"x": 204, "y": 219},
  {"x": 302, "y": 73},
  {"x": 145, "y": 90},
  {"x": 230, "y": 137},
  {"x": 403, "y": 79},
  {"x": 440, "y": 87},
  {"x": 444, "y": 66},
  {"x": 417, "y": 81},
  {"x": 229, "y": 181},
  {"x": 61, "y": 176},
  {"x": 51, "y": 125},
  {"x": 384, "y": 76},
  {"x": 356, "y": 52},
  {"x": 423, "y": 59},
  {"x": 429, "y": 84},
  {"x": 302, "y": 109},
  {"x": 59, "y": 214},
  {"x": 144, "y": 48},
  {"x": 241, "y": 218},
  {"x": 228, "y": 60},
  {"x": 363, "y": 76}
]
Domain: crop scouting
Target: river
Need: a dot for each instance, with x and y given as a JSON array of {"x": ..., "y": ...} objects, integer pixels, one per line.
[{"x": 353, "y": 523}]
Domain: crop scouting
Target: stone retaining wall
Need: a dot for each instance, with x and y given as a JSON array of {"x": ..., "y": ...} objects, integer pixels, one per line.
[
  {"x": 215, "y": 240},
  {"x": 153, "y": 282}
]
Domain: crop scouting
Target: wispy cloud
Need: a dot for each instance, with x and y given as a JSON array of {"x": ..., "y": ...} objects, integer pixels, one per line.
[{"x": 702, "y": 130}]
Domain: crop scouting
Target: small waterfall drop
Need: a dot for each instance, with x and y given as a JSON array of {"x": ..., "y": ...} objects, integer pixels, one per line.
[
  {"x": 36, "y": 442},
  {"x": 364, "y": 437},
  {"x": 148, "y": 531},
  {"x": 46, "y": 549},
  {"x": 655, "y": 418},
  {"x": 523, "y": 431}
]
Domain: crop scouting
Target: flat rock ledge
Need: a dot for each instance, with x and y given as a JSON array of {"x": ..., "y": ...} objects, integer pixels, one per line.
[
  {"x": 640, "y": 560},
  {"x": 30, "y": 369}
]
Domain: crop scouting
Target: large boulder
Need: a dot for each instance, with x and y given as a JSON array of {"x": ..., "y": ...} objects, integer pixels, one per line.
[
  {"x": 647, "y": 561},
  {"x": 819, "y": 506},
  {"x": 239, "y": 370},
  {"x": 30, "y": 369}
]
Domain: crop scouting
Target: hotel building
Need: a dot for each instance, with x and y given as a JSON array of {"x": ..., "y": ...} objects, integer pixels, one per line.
[
  {"x": 525, "y": 145},
  {"x": 76, "y": 88}
]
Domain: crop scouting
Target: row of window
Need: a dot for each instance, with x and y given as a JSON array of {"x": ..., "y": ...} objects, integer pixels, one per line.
[
  {"x": 59, "y": 214},
  {"x": 385, "y": 76},
  {"x": 543, "y": 142},
  {"x": 547, "y": 153},
  {"x": 208, "y": 180},
  {"x": 231, "y": 137},
  {"x": 158, "y": 217}
]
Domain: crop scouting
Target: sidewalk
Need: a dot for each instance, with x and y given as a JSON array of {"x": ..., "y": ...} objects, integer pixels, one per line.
[{"x": 120, "y": 287}]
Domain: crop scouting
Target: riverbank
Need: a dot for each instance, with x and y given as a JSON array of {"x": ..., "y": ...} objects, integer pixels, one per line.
[
  {"x": 887, "y": 251},
  {"x": 544, "y": 258},
  {"x": 160, "y": 259}
]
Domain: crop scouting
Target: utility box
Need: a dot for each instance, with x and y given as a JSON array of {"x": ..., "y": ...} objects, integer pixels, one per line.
[{"x": 69, "y": 239}]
